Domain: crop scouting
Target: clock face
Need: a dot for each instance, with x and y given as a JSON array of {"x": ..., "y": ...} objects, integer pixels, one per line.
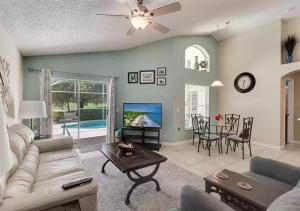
[{"x": 244, "y": 82}]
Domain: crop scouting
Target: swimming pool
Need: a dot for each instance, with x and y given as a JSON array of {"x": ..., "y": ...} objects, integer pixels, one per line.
[{"x": 93, "y": 124}]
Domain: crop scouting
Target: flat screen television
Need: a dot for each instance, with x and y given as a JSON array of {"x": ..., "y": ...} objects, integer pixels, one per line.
[{"x": 145, "y": 115}]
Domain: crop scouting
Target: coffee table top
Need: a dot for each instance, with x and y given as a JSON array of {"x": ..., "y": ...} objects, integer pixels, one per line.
[
  {"x": 261, "y": 195},
  {"x": 140, "y": 158}
]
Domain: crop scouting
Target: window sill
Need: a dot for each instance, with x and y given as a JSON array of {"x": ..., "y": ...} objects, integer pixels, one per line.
[{"x": 188, "y": 129}]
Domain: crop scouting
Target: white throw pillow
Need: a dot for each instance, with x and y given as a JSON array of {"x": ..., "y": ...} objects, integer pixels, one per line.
[{"x": 25, "y": 132}]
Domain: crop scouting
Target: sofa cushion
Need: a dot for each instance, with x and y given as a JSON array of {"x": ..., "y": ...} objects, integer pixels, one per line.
[
  {"x": 58, "y": 168},
  {"x": 30, "y": 161},
  {"x": 15, "y": 165},
  {"x": 298, "y": 185},
  {"x": 275, "y": 169},
  {"x": 269, "y": 181},
  {"x": 25, "y": 132},
  {"x": 58, "y": 181},
  {"x": 17, "y": 145},
  {"x": 19, "y": 183},
  {"x": 57, "y": 155},
  {"x": 289, "y": 201}
]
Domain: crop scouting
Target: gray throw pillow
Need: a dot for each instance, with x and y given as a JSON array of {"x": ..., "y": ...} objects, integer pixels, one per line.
[{"x": 290, "y": 201}]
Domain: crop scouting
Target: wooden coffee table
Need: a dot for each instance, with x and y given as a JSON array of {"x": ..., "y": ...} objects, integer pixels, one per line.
[
  {"x": 259, "y": 198},
  {"x": 129, "y": 165}
]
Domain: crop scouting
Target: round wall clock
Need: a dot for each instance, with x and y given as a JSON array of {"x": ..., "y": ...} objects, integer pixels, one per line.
[{"x": 244, "y": 82}]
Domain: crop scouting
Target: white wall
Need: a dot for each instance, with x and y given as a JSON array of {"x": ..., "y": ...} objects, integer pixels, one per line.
[
  {"x": 9, "y": 52},
  {"x": 256, "y": 51}
]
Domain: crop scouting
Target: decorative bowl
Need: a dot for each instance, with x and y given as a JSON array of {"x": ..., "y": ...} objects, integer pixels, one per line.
[{"x": 126, "y": 147}]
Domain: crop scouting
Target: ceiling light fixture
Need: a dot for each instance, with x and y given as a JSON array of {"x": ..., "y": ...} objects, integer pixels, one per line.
[
  {"x": 216, "y": 83},
  {"x": 139, "y": 22}
]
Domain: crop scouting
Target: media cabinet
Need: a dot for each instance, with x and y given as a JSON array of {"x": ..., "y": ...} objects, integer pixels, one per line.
[{"x": 145, "y": 136}]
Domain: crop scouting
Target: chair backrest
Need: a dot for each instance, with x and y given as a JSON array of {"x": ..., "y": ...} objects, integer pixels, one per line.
[
  {"x": 232, "y": 121},
  {"x": 247, "y": 127},
  {"x": 204, "y": 124},
  {"x": 195, "y": 124}
]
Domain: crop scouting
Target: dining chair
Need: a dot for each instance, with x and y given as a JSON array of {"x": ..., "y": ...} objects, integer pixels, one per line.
[
  {"x": 232, "y": 123},
  {"x": 207, "y": 134},
  {"x": 195, "y": 126},
  {"x": 243, "y": 138}
]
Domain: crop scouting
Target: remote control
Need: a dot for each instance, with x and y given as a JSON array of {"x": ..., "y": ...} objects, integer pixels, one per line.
[{"x": 78, "y": 182}]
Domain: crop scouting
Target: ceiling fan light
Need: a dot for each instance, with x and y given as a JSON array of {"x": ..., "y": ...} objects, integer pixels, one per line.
[{"x": 139, "y": 22}]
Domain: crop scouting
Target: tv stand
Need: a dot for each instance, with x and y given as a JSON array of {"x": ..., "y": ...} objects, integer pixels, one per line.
[{"x": 143, "y": 135}]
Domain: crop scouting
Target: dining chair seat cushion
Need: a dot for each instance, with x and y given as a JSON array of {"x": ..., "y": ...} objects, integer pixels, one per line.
[
  {"x": 236, "y": 138},
  {"x": 209, "y": 137},
  {"x": 229, "y": 132}
]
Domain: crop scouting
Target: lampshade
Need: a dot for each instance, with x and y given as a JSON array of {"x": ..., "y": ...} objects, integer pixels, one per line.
[
  {"x": 139, "y": 22},
  {"x": 32, "y": 110},
  {"x": 5, "y": 155},
  {"x": 216, "y": 84}
]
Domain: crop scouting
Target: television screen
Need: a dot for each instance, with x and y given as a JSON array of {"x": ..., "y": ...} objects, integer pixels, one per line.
[{"x": 148, "y": 115}]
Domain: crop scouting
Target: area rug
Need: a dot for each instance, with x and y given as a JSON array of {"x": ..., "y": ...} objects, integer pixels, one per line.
[{"x": 113, "y": 187}]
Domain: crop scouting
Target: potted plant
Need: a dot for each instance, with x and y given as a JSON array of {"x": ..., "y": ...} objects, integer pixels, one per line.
[{"x": 289, "y": 45}]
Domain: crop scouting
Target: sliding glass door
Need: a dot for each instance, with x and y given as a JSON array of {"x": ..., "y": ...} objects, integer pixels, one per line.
[{"x": 80, "y": 110}]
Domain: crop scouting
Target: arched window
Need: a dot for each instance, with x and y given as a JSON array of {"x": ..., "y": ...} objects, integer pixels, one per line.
[{"x": 196, "y": 58}]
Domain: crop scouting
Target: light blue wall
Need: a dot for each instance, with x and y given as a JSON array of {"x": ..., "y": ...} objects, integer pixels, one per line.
[{"x": 165, "y": 53}]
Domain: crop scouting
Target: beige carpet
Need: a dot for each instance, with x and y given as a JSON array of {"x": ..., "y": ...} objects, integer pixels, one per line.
[{"x": 113, "y": 187}]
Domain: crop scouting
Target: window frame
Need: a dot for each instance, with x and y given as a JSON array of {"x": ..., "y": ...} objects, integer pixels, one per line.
[{"x": 191, "y": 106}]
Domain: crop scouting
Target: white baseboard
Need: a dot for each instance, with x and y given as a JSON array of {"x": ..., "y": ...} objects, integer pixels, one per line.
[
  {"x": 296, "y": 142},
  {"x": 176, "y": 143},
  {"x": 268, "y": 145}
]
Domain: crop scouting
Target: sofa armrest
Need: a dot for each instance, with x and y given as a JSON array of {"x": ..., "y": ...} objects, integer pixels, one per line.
[
  {"x": 276, "y": 170},
  {"x": 54, "y": 144},
  {"x": 195, "y": 199},
  {"x": 48, "y": 199}
]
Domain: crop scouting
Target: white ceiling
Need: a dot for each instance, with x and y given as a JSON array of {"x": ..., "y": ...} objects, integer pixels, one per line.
[{"x": 41, "y": 27}]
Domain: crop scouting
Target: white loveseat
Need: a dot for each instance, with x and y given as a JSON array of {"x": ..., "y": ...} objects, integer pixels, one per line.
[{"x": 39, "y": 170}]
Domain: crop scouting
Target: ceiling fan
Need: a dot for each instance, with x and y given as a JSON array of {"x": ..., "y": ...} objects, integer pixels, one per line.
[{"x": 141, "y": 17}]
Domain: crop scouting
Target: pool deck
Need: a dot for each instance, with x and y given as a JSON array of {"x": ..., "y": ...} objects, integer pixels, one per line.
[{"x": 84, "y": 133}]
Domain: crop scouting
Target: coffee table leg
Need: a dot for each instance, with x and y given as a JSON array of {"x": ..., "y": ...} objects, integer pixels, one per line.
[
  {"x": 207, "y": 187},
  {"x": 103, "y": 166},
  {"x": 141, "y": 180}
]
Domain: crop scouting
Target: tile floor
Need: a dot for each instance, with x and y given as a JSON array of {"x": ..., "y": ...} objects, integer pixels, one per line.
[{"x": 199, "y": 163}]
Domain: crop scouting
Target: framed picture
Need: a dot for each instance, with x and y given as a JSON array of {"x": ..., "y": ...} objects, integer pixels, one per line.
[
  {"x": 161, "y": 71},
  {"x": 147, "y": 77},
  {"x": 161, "y": 81},
  {"x": 133, "y": 77}
]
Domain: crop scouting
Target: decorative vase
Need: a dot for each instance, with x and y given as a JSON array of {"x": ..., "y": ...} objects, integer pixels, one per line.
[
  {"x": 290, "y": 59},
  {"x": 196, "y": 63}
]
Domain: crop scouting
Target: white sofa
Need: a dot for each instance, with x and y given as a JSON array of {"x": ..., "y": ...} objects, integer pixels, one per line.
[{"x": 40, "y": 169}]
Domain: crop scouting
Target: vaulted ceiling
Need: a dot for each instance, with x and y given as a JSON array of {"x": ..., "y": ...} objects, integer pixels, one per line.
[{"x": 41, "y": 27}]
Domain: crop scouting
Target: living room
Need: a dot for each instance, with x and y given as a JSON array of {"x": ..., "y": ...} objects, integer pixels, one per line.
[{"x": 85, "y": 71}]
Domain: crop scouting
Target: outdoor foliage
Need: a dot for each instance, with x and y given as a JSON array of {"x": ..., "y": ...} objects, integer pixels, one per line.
[
  {"x": 85, "y": 114},
  {"x": 64, "y": 95}
]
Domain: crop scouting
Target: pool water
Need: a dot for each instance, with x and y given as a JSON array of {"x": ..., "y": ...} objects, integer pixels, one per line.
[{"x": 93, "y": 124}]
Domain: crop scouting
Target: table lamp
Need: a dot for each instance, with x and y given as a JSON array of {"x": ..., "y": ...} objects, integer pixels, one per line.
[{"x": 32, "y": 110}]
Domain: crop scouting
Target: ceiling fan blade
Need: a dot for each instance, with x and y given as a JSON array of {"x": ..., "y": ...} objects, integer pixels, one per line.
[
  {"x": 111, "y": 15},
  {"x": 174, "y": 7},
  {"x": 159, "y": 27},
  {"x": 131, "y": 31}
]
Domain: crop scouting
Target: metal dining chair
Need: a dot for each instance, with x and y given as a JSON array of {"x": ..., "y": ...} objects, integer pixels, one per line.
[
  {"x": 195, "y": 126},
  {"x": 207, "y": 134},
  {"x": 243, "y": 138}
]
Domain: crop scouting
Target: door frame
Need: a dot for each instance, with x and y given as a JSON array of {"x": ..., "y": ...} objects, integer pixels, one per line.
[{"x": 290, "y": 98}]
